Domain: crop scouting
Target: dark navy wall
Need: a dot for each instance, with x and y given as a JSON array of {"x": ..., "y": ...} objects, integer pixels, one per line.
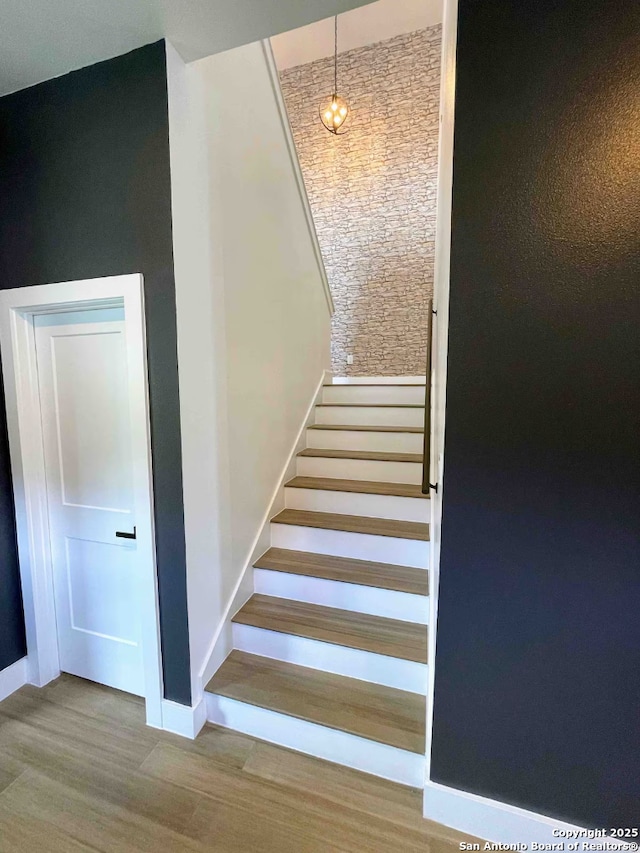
[
  {"x": 537, "y": 698},
  {"x": 85, "y": 192},
  {"x": 12, "y": 639}
]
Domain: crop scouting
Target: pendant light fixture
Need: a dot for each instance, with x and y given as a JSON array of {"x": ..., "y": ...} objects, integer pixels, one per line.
[{"x": 334, "y": 110}]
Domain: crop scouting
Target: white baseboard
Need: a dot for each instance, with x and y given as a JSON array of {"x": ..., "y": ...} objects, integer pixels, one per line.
[
  {"x": 492, "y": 820},
  {"x": 219, "y": 646},
  {"x": 183, "y": 720},
  {"x": 13, "y": 677},
  {"x": 389, "y": 762}
]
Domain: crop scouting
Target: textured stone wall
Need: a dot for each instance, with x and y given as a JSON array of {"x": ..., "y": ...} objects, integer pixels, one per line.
[{"x": 373, "y": 195}]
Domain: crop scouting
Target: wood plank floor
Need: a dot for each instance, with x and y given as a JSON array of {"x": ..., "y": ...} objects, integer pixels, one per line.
[
  {"x": 376, "y": 634},
  {"x": 79, "y": 771},
  {"x": 362, "y": 572},
  {"x": 368, "y": 710},
  {"x": 354, "y": 524}
]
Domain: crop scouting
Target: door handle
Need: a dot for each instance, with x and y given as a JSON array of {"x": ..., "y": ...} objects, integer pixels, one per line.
[{"x": 122, "y": 535}]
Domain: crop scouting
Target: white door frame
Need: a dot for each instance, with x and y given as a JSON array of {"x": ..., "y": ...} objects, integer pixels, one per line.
[{"x": 18, "y": 307}]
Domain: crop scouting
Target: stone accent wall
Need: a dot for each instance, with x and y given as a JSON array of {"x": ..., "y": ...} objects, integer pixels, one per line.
[{"x": 373, "y": 195}]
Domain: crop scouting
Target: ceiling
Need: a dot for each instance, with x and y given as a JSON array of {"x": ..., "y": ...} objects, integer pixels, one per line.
[
  {"x": 40, "y": 39},
  {"x": 357, "y": 28}
]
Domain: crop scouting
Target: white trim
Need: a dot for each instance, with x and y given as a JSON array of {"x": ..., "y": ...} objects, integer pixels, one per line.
[
  {"x": 295, "y": 163},
  {"x": 356, "y": 598},
  {"x": 491, "y": 820},
  {"x": 13, "y": 677},
  {"x": 184, "y": 720},
  {"x": 329, "y": 657},
  {"x": 215, "y": 656},
  {"x": 343, "y": 748},
  {"x": 440, "y": 334},
  {"x": 379, "y": 380},
  {"x": 17, "y": 309}
]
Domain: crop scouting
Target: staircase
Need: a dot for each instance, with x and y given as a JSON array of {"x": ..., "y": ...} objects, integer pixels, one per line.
[{"x": 330, "y": 653}]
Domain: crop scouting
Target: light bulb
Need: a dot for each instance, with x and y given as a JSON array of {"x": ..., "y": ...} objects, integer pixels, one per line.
[{"x": 334, "y": 113}]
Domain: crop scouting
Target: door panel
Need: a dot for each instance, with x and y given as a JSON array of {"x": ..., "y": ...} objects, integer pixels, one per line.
[{"x": 83, "y": 380}]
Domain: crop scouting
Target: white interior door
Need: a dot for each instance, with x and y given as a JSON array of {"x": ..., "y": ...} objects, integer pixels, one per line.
[{"x": 84, "y": 395}]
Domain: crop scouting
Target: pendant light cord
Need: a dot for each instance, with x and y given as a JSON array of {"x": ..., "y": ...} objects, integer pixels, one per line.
[{"x": 335, "y": 64}]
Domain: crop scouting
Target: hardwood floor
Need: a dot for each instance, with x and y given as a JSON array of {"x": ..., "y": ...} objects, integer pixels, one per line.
[
  {"x": 366, "y": 455},
  {"x": 79, "y": 771},
  {"x": 354, "y": 524},
  {"x": 362, "y": 572},
  {"x": 363, "y": 487},
  {"x": 368, "y": 710},
  {"x": 405, "y": 640}
]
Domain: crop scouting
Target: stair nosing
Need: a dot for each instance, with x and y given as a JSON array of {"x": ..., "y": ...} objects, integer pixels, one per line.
[
  {"x": 298, "y": 570},
  {"x": 309, "y": 516},
  {"x": 335, "y": 641},
  {"x": 327, "y": 486},
  {"x": 376, "y": 385},
  {"x": 272, "y": 706},
  {"x": 361, "y": 455},
  {"x": 369, "y": 428},
  {"x": 375, "y": 405}
]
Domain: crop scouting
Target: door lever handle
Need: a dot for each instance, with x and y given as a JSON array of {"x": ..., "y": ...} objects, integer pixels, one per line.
[{"x": 122, "y": 535}]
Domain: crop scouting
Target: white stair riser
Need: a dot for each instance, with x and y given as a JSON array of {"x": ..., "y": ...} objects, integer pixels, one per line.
[
  {"x": 378, "y": 442},
  {"x": 387, "y": 603},
  {"x": 353, "y": 503},
  {"x": 359, "y": 546},
  {"x": 328, "y": 657},
  {"x": 382, "y": 760},
  {"x": 374, "y": 394},
  {"x": 359, "y": 469},
  {"x": 378, "y": 380},
  {"x": 370, "y": 415}
]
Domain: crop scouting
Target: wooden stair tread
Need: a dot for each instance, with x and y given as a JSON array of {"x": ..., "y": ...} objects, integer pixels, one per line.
[
  {"x": 371, "y": 455},
  {"x": 376, "y": 405},
  {"x": 354, "y": 524},
  {"x": 361, "y": 487},
  {"x": 368, "y": 428},
  {"x": 346, "y": 570},
  {"x": 381, "y": 714},
  {"x": 390, "y": 637},
  {"x": 375, "y": 385}
]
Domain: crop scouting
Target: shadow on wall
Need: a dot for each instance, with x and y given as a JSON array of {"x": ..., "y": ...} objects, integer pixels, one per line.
[{"x": 373, "y": 194}]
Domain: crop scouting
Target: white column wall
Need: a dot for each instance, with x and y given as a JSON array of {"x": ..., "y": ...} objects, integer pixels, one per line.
[{"x": 253, "y": 318}]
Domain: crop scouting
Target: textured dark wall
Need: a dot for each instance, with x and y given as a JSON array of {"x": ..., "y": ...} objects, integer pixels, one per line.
[
  {"x": 12, "y": 639},
  {"x": 85, "y": 192},
  {"x": 538, "y": 660}
]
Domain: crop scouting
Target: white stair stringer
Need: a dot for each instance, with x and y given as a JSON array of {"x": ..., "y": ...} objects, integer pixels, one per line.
[{"x": 389, "y": 762}]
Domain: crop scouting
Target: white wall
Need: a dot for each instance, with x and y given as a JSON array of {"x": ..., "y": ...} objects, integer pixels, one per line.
[
  {"x": 253, "y": 319},
  {"x": 359, "y": 27}
]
